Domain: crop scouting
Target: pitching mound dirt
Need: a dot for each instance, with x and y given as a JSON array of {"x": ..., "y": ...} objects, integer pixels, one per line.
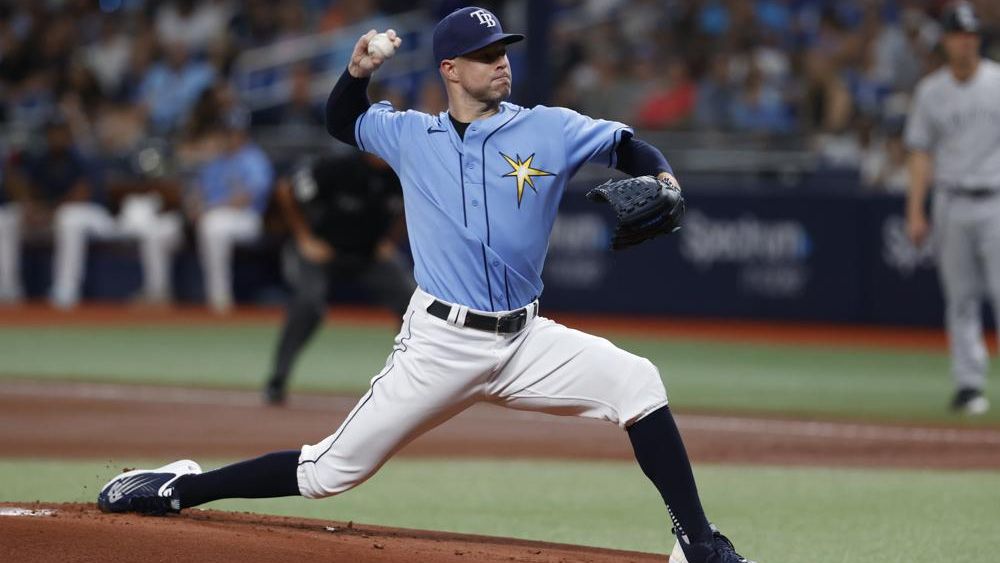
[{"x": 85, "y": 534}]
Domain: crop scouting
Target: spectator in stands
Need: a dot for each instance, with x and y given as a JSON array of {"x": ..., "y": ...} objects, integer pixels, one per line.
[
  {"x": 759, "y": 108},
  {"x": 256, "y": 25},
  {"x": 171, "y": 87},
  {"x": 292, "y": 21},
  {"x": 142, "y": 56},
  {"x": 52, "y": 182},
  {"x": 900, "y": 48},
  {"x": 826, "y": 102},
  {"x": 203, "y": 137},
  {"x": 602, "y": 86},
  {"x": 196, "y": 25},
  {"x": 884, "y": 164},
  {"x": 714, "y": 96},
  {"x": 64, "y": 190},
  {"x": 342, "y": 14},
  {"x": 80, "y": 99},
  {"x": 866, "y": 85},
  {"x": 673, "y": 103},
  {"x": 108, "y": 57},
  {"x": 230, "y": 195},
  {"x": 118, "y": 130},
  {"x": 55, "y": 174},
  {"x": 301, "y": 112},
  {"x": 54, "y": 50},
  {"x": 26, "y": 77}
]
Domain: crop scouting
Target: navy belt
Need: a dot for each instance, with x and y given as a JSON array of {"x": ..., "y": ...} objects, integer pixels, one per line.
[
  {"x": 975, "y": 193},
  {"x": 506, "y": 324}
]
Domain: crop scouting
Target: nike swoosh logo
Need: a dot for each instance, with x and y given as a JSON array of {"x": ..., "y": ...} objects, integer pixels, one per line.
[{"x": 431, "y": 129}]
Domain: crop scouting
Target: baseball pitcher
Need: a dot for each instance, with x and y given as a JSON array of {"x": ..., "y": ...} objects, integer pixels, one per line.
[{"x": 481, "y": 186}]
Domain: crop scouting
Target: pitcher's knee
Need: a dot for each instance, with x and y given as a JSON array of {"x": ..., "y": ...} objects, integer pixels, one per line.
[
  {"x": 322, "y": 473},
  {"x": 645, "y": 394}
]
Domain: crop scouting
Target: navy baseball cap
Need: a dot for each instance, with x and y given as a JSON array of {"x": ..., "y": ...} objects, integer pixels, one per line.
[
  {"x": 466, "y": 30},
  {"x": 960, "y": 17}
]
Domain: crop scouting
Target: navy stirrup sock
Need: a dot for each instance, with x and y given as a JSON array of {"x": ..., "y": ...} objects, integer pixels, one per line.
[
  {"x": 662, "y": 457},
  {"x": 271, "y": 475}
]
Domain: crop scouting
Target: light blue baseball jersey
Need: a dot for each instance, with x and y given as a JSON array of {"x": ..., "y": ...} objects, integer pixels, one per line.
[{"x": 480, "y": 210}]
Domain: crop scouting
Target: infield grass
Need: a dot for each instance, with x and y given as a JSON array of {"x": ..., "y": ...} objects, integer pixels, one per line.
[
  {"x": 861, "y": 382},
  {"x": 778, "y": 515}
]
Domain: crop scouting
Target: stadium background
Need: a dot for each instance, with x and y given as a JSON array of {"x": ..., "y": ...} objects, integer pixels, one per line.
[{"x": 783, "y": 120}]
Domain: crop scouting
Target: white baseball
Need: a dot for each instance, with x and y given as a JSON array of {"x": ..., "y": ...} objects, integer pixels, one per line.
[{"x": 381, "y": 46}]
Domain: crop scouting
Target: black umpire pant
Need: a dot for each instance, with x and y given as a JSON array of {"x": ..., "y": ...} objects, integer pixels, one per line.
[{"x": 390, "y": 283}]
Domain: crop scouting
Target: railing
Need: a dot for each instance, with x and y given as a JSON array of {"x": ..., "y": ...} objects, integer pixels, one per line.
[
  {"x": 784, "y": 158},
  {"x": 262, "y": 74}
]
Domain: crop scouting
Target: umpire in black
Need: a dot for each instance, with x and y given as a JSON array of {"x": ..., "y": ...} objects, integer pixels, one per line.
[{"x": 346, "y": 218}]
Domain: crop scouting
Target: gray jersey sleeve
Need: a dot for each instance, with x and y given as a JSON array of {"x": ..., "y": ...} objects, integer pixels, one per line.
[{"x": 919, "y": 133}]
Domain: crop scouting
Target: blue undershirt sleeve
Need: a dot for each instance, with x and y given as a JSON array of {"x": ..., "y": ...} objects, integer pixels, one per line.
[
  {"x": 348, "y": 100},
  {"x": 639, "y": 158}
]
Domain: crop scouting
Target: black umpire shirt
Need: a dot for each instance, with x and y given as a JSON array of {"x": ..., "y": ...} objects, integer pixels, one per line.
[{"x": 348, "y": 202}]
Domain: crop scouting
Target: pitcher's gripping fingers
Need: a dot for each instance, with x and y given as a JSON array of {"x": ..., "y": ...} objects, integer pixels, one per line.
[{"x": 362, "y": 64}]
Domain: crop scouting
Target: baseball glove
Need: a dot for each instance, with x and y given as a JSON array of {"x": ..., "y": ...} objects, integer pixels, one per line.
[{"x": 646, "y": 207}]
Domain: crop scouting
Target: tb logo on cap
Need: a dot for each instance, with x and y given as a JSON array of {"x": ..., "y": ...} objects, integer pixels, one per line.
[{"x": 485, "y": 18}]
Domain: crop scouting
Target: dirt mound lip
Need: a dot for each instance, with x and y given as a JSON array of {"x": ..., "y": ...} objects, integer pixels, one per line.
[{"x": 80, "y": 532}]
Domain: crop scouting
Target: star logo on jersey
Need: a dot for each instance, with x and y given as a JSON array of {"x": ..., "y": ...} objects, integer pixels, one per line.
[{"x": 524, "y": 173}]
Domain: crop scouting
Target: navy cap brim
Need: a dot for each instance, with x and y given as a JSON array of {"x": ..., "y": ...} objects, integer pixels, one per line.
[{"x": 505, "y": 38}]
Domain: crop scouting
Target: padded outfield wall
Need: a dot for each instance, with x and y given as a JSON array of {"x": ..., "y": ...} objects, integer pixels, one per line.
[
  {"x": 775, "y": 254},
  {"x": 779, "y": 254}
]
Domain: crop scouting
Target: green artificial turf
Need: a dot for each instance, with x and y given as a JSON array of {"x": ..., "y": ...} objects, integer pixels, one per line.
[
  {"x": 777, "y": 515},
  {"x": 889, "y": 384}
]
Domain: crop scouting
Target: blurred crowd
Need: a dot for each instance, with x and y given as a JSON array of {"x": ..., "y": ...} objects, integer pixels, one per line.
[
  {"x": 838, "y": 73},
  {"x": 123, "y": 71},
  {"x": 120, "y": 120},
  {"x": 127, "y": 108}
]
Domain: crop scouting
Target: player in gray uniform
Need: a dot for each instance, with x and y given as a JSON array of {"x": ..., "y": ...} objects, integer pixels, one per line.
[{"x": 953, "y": 132}]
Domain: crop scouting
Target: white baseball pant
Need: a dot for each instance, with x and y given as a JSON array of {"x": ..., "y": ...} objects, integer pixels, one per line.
[
  {"x": 159, "y": 236},
  {"x": 10, "y": 253},
  {"x": 439, "y": 368},
  {"x": 219, "y": 230}
]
